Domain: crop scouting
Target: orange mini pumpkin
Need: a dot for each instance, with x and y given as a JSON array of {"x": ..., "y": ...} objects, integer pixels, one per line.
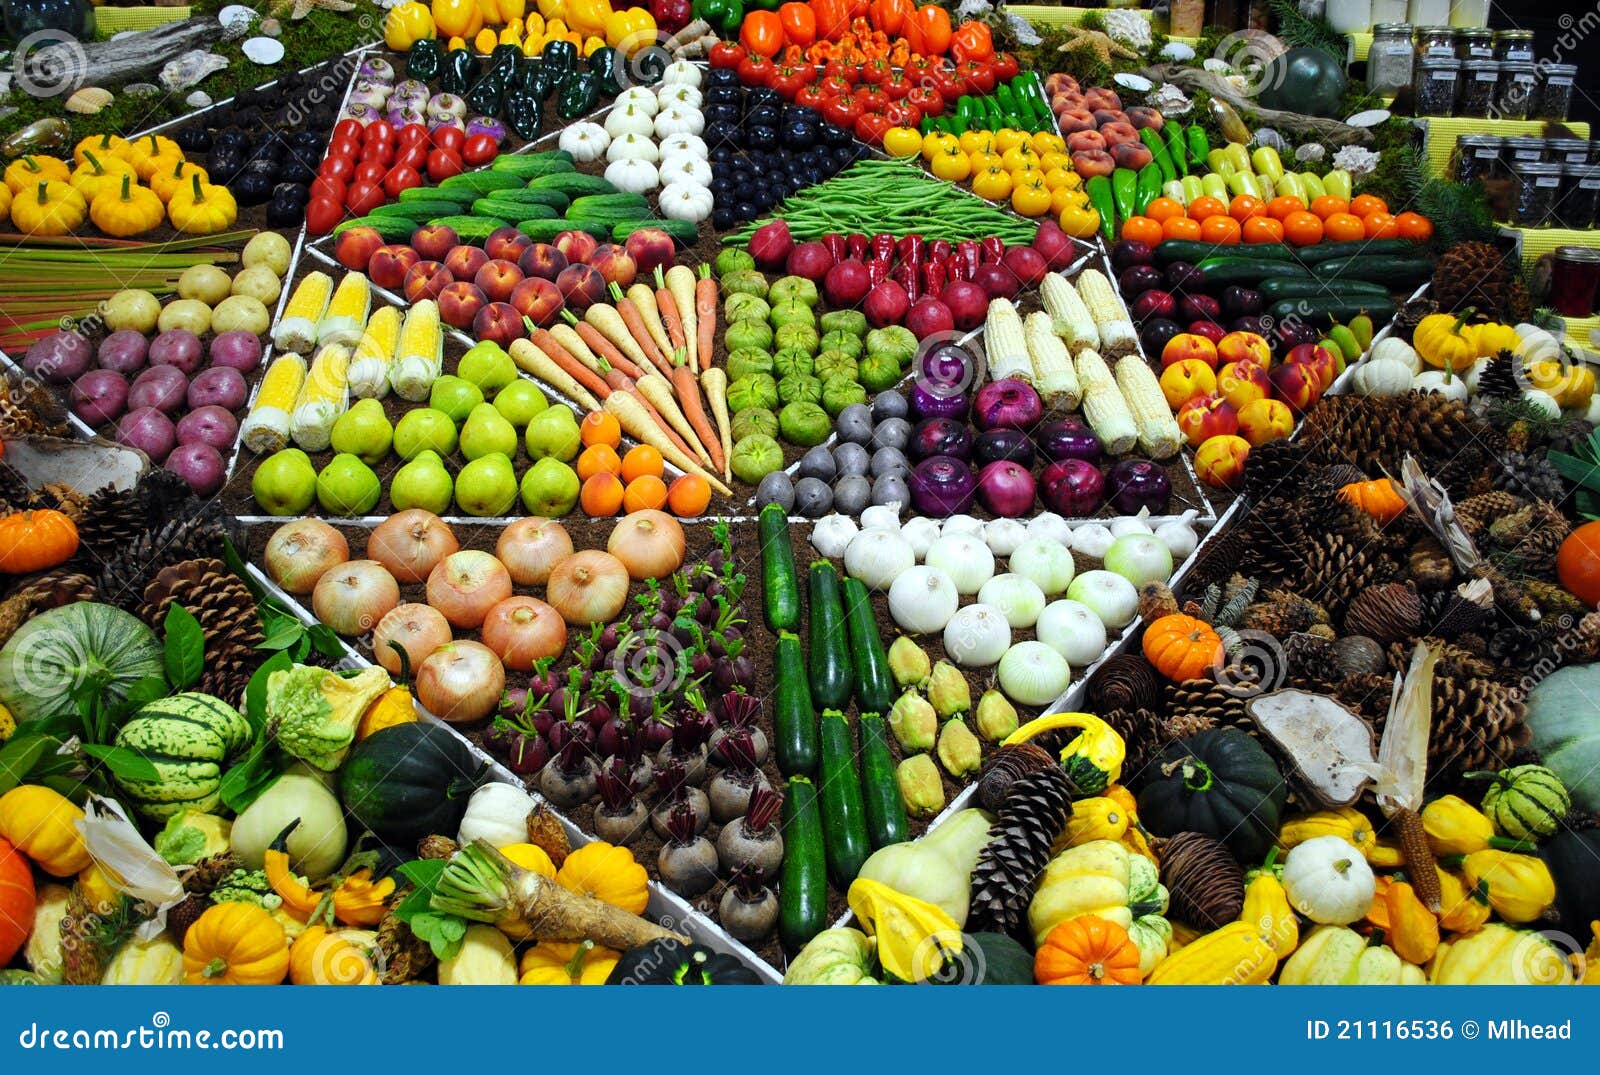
[
  {"x": 1578, "y": 563},
  {"x": 1182, "y": 647},
  {"x": 36, "y": 540},
  {"x": 1380, "y": 498},
  {"x": 1087, "y": 950}
]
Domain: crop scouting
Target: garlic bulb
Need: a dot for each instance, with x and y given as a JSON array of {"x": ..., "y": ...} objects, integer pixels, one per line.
[
  {"x": 1092, "y": 539},
  {"x": 1131, "y": 524},
  {"x": 1178, "y": 535},
  {"x": 962, "y": 524},
  {"x": 1050, "y": 527}
]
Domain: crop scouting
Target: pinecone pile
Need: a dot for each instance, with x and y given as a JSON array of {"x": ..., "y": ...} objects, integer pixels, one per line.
[
  {"x": 1203, "y": 879},
  {"x": 1145, "y": 733},
  {"x": 1376, "y": 434},
  {"x": 1531, "y": 536},
  {"x": 50, "y": 590},
  {"x": 1277, "y": 468},
  {"x": 1313, "y": 662},
  {"x": 1034, "y": 813},
  {"x": 1478, "y": 723},
  {"x": 1216, "y": 705},
  {"x": 1483, "y": 277},
  {"x": 226, "y": 611},
  {"x": 1334, "y": 570},
  {"x": 1283, "y": 612}
]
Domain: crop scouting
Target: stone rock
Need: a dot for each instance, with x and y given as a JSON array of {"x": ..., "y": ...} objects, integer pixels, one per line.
[{"x": 198, "y": 99}]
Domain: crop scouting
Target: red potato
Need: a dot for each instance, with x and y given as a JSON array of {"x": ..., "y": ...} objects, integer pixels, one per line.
[
  {"x": 1141, "y": 117},
  {"x": 1117, "y": 133},
  {"x": 1074, "y": 120},
  {"x": 1103, "y": 116},
  {"x": 1078, "y": 141},
  {"x": 1092, "y": 162},
  {"x": 1132, "y": 155},
  {"x": 1100, "y": 97}
]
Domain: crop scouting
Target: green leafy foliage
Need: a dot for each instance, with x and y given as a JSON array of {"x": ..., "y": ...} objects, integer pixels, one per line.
[
  {"x": 1582, "y": 468},
  {"x": 443, "y": 932},
  {"x": 1298, "y": 30},
  {"x": 184, "y": 652}
]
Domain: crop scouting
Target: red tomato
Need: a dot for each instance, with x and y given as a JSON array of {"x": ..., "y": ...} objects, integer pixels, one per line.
[
  {"x": 876, "y": 71},
  {"x": 945, "y": 81},
  {"x": 382, "y": 152},
  {"x": 412, "y": 134},
  {"x": 897, "y": 86},
  {"x": 362, "y": 198},
  {"x": 329, "y": 187},
  {"x": 870, "y": 128},
  {"x": 977, "y": 77},
  {"x": 349, "y": 128},
  {"x": 369, "y": 172},
  {"x": 927, "y": 99},
  {"x": 402, "y": 178},
  {"x": 902, "y": 114},
  {"x": 726, "y": 56},
  {"x": 442, "y": 164},
  {"x": 344, "y": 147},
  {"x": 756, "y": 71},
  {"x": 842, "y": 111},
  {"x": 811, "y": 97},
  {"x": 322, "y": 214},
  {"x": 920, "y": 65},
  {"x": 872, "y": 99},
  {"x": 850, "y": 72},
  {"x": 413, "y": 156},
  {"x": 1005, "y": 66},
  {"x": 834, "y": 86},
  {"x": 480, "y": 149},
  {"x": 788, "y": 81},
  {"x": 337, "y": 166},
  {"x": 379, "y": 132},
  {"x": 448, "y": 138}
]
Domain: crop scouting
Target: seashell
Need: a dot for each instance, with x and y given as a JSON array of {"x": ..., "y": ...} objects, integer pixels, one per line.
[
  {"x": 198, "y": 99},
  {"x": 1177, "y": 50},
  {"x": 40, "y": 136},
  {"x": 140, "y": 89},
  {"x": 263, "y": 50},
  {"x": 1372, "y": 117},
  {"x": 1216, "y": 66},
  {"x": 190, "y": 68},
  {"x": 1137, "y": 83},
  {"x": 236, "y": 17},
  {"x": 271, "y": 27},
  {"x": 89, "y": 100}
]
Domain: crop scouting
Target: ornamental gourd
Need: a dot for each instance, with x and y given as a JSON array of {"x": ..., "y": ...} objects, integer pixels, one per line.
[
  {"x": 43, "y": 824},
  {"x": 1236, "y": 954},
  {"x": 1266, "y": 905},
  {"x": 1380, "y": 498},
  {"x": 1382, "y": 377},
  {"x": 48, "y": 209},
  {"x": 202, "y": 208},
  {"x": 1526, "y": 802},
  {"x": 128, "y": 210},
  {"x": 1336, "y": 955},
  {"x": 320, "y": 956},
  {"x": 1092, "y": 760},
  {"x": 1574, "y": 861},
  {"x": 833, "y": 957},
  {"x": 36, "y": 540},
  {"x": 607, "y": 873},
  {"x": 149, "y": 152},
  {"x": 1497, "y": 954},
  {"x": 1098, "y": 818},
  {"x": 1105, "y": 879},
  {"x": 1328, "y": 881},
  {"x": 1518, "y": 887},
  {"x": 497, "y": 813},
  {"x": 1087, "y": 950},
  {"x": 567, "y": 963},
  {"x": 98, "y": 174},
  {"x": 43, "y": 950},
  {"x": 915, "y": 939},
  {"x": 29, "y": 171},
  {"x": 235, "y": 944},
  {"x": 154, "y": 962},
  {"x": 1345, "y": 822},
  {"x": 1221, "y": 783},
  {"x": 189, "y": 738},
  {"x": 484, "y": 958},
  {"x": 409, "y": 781},
  {"x": 1445, "y": 342},
  {"x": 168, "y": 181},
  {"x": 1455, "y": 827},
  {"x": 1182, "y": 647},
  {"x": 1492, "y": 337},
  {"x": 16, "y": 901}
]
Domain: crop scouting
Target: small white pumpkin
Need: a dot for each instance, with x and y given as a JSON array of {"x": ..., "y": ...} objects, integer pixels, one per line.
[
  {"x": 1328, "y": 881},
  {"x": 1538, "y": 345},
  {"x": 1544, "y": 401},
  {"x": 1395, "y": 347},
  {"x": 1447, "y": 384},
  {"x": 585, "y": 141},
  {"x": 1383, "y": 377},
  {"x": 632, "y": 176},
  {"x": 497, "y": 813},
  {"x": 1592, "y": 414},
  {"x": 629, "y": 119},
  {"x": 154, "y": 962}
]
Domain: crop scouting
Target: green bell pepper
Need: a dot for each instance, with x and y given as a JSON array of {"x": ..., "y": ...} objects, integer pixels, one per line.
[
  {"x": 1098, "y": 188},
  {"x": 1124, "y": 186},
  {"x": 459, "y": 72},
  {"x": 424, "y": 59},
  {"x": 1199, "y": 144},
  {"x": 604, "y": 62},
  {"x": 723, "y": 15},
  {"x": 524, "y": 114},
  {"x": 487, "y": 97},
  {"x": 561, "y": 57},
  {"x": 503, "y": 62},
  {"x": 580, "y": 93}
]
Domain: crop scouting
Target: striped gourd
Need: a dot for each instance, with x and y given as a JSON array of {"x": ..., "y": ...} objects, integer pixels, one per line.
[
  {"x": 189, "y": 738},
  {"x": 1525, "y": 802},
  {"x": 1159, "y": 435},
  {"x": 1104, "y": 406}
]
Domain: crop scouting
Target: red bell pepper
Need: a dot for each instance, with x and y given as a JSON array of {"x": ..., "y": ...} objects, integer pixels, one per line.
[
  {"x": 906, "y": 275},
  {"x": 832, "y": 18},
  {"x": 994, "y": 249},
  {"x": 883, "y": 247},
  {"x": 761, "y": 33},
  {"x": 890, "y": 15},
  {"x": 799, "y": 23},
  {"x": 972, "y": 41},
  {"x": 877, "y": 269},
  {"x": 912, "y": 249},
  {"x": 940, "y": 249},
  {"x": 928, "y": 31}
]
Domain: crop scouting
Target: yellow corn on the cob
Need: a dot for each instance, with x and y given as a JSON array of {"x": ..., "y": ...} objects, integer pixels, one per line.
[
  {"x": 369, "y": 365},
  {"x": 1104, "y": 406},
  {"x": 1068, "y": 315},
  {"x": 1110, "y": 317},
  {"x": 1159, "y": 434},
  {"x": 323, "y": 398},
  {"x": 346, "y": 315},
  {"x": 266, "y": 427},
  {"x": 420, "y": 354},
  {"x": 297, "y": 328},
  {"x": 1053, "y": 376},
  {"x": 1003, "y": 344}
]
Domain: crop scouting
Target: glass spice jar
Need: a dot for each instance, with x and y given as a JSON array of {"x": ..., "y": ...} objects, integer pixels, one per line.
[
  {"x": 1567, "y": 150},
  {"x": 1479, "y": 79},
  {"x": 1514, "y": 98},
  {"x": 1390, "y": 59},
  {"x": 1574, "y": 279},
  {"x": 1435, "y": 85},
  {"x": 1431, "y": 12},
  {"x": 1580, "y": 196},
  {"x": 1477, "y": 157},
  {"x": 1476, "y": 44},
  {"x": 1514, "y": 45},
  {"x": 1554, "y": 100},
  {"x": 1538, "y": 187},
  {"x": 1436, "y": 41}
]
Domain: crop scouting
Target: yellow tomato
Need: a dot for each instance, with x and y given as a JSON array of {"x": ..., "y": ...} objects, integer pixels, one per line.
[
  {"x": 977, "y": 142},
  {"x": 485, "y": 40},
  {"x": 1059, "y": 178},
  {"x": 902, "y": 142},
  {"x": 1047, "y": 142},
  {"x": 1031, "y": 198},
  {"x": 511, "y": 34},
  {"x": 455, "y": 43},
  {"x": 982, "y": 162},
  {"x": 1008, "y": 138},
  {"x": 992, "y": 183},
  {"x": 1053, "y": 159},
  {"x": 1080, "y": 222},
  {"x": 951, "y": 166},
  {"x": 1018, "y": 156},
  {"x": 532, "y": 45},
  {"x": 533, "y": 23},
  {"x": 591, "y": 45},
  {"x": 555, "y": 28},
  {"x": 937, "y": 142},
  {"x": 1062, "y": 199}
]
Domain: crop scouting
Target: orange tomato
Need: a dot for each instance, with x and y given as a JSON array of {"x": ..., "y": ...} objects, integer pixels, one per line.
[
  {"x": 1142, "y": 229},
  {"x": 1163, "y": 209},
  {"x": 1327, "y": 205},
  {"x": 1363, "y": 204},
  {"x": 598, "y": 459},
  {"x": 1262, "y": 229},
  {"x": 601, "y": 495},
  {"x": 689, "y": 496},
  {"x": 1221, "y": 229},
  {"x": 1380, "y": 225},
  {"x": 641, "y": 462},
  {"x": 1343, "y": 227},
  {"x": 600, "y": 428},
  {"x": 1180, "y": 227},
  {"x": 645, "y": 491},
  {"x": 1206, "y": 207},
  {"x": 1282, "y": 206},
  {"x": 1243, "y": 207},
  {"x": 1414, "y": 226},
  {"x": 1302, "y": 228}
]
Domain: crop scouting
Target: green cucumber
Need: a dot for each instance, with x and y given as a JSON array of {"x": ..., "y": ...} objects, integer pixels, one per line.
[
  {"x": 780, "y": 585},
  {"x": 573, "y": 184},
  {"x": 1234, "y": 270},
  {"x": 394, "y": 229},
  {"x": 418, "y": 211},
  {"x": 794, "y": 719},
  {"x": 827, "y": 642},
  {"x": 844, "y": 818},
  {"x": 683, "y": 232},
  {"x": 543, "y": 231},
  {"x": 874, "y": 684},
  {"x": 606, "y": 218},
  {"x": 1327, "y": 251},
  {"x": 471, "y": 229},
  {"x": 591, "y": 202},
  {"x": 1194, "y": 251},
  {"x": 512, "y": 210},
  {"x": 1297, "y": 287},
  {"x": 552, "y": 198},
  {"x": 1383, "y": 269},
  {"x": 1325, "y": 311},
  {"x": 533, "y": 165},
  {"x": 803, "y": 892},
  {"x": 460, "y": 197},
  {"x": 880, "y": 791},
  {"x": 482, "y": 182}
]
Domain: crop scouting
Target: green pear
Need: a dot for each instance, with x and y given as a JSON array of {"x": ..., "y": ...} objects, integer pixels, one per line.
[
  {"x": 285, "y": 483},
  {"x": 487, "y": 486},
  {"x": 553, "y": 433},
  {"x": 424, "y": 429},
  {"x": 422, "y": 483},
  {"x": 486, "y": 431},
  {"x": 364, "y": 431},
  {"x": 549, "y": 488},
  {"x": 455, "y": 397},
  {"x": 347, "y": 486},
  {"x": 520, "y": 401},
  {"x": 488, "y": 366}
]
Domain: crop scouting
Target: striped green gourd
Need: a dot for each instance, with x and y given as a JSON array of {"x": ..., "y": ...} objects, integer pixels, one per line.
[
  {"x": 1525, "y": 802},
  {"x": 189, "y": 738}
]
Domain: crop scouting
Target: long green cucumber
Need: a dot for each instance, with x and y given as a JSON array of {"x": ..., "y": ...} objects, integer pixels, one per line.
[
  {"x": 828, "y": 645},
  {"x": 880, "y": 792},
  {"x": 803, "y": 893},
  {"x": 1323, "y": 311},
  {"x": 794, "y": 718},
  {"x": 1226, "y": 269},
  {"x": 874, "y": 684},
  {"x": 1328, "y": 251},
  {"x": 1383, "y": 269},
  {"x": 1299, "y": 287},
  {"x": 1195, "y": 251},
  {"x": 780, "y": 586},
  {"x": 844, "y": 817}
]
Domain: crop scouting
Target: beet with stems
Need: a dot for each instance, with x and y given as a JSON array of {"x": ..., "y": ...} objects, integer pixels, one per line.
[
  {"x": 754, "y": 841},
  {"x": 571, "y": 780},
  {"x": 674, "y": 791},
  {"x": 730, "y": 790},
  {"x": 687, "y": 862},
  {"x": 621, "y": 817},
  {"x": 749, "y": 909}
]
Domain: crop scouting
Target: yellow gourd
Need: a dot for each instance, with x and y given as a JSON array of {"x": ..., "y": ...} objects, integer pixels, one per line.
[
  {"x": 235, "y": 944},
  {"x": 154, "y": 962},
  {"x": 1266, "y": 906},
  {"x": 1092, "y": 760},
  {"x": 1098, "y": 818},
  {"x": 201, "y": 208},
  {"x": 1347, "y": 823},
  {"x": 1570, "y": 385},
  {"x": 321, "y": 957},
  {"x": 128, "y": 211},
  {"x": 914, "y": 937},
  {"x": 30, "y": 171},
  {"x": 50, "y": 208},
  {"x": 43, "y": 824},
  {"x": 484, "y": 958},
  {"x": 1500, "y": 955},
  {"x": 5, "y": 214},
  {"x": 97, "y": 174},
  {"x": 1338, "y": 955},
  {"x": 607, "y": 873},
  {"x": 151, "y": 152},
  {"x": 567, "y": 963},
  {"x": 1089, "y": 879},
  {"x": 96, "y": 887},
  {"x": 168, "y": 181},
  {"x": 1445, "y": 341},
  {"x": 105, "y": 145},
  {"x": 1460, "y": 909},
  {"x": 1236, "y": 954},
  {"x": 1518, "y": 887},
  {"x": 393, "y": 706},
  {"x": 1455, "y": 827},
  {"x": 1492, "y": 337}
]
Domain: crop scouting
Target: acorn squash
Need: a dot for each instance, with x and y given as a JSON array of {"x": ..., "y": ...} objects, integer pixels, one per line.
[
  {"x": 1220, "y": 783},
  {"x": 670, "y": 962},
  {"x": 1574, "y": 861},
  {"x": 410, "y": 781}
]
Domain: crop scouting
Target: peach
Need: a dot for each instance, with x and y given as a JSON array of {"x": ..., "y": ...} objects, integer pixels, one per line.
[
  {"x": 539, "y": 300},
  {"x": 426, "y": 280},
  {"x": 1079, "y": 141},
  {"x": 498, "y": 279},
  {"x": 614, "y": 264},
  {"x": 1131, "y": 155},
  {"x": 1077, "y": 121},
  {"x": 506, "y": 244},
  {"x": 542, "y": 259},
  {"x": 1183, "y": 381},
  {"x": 1099, "y": 97},
  {"x": 1189, "y": 345},
  {"x": 1103, "y": 116},
  {"x": 1060, "y": 82},
  {"x": 464, "y": 261},
  {"x": 459, "y": 303},
  {"x": 1265, "y": 420},
  {"x": 499, "y": 322},
  {"x": 1297, "y": 384},
  {"x": 1117, "y": 133},
  {"x": 354, "y": 248},
  {"x": 1242, "y": 383},
  {"x": 578, "y": 246},
  {"x": 1319, "y": 359},
  {"x": 390, "y": 264},
  {"x": 1205, "y": 417},
  {"x": 433, "y": 241},
  {"x": 1245, "y": 347},
  {"x": 1093, "y": 162},
  {"x": 1142, "y": 117},
  {"x": 1219, "y": 462}
]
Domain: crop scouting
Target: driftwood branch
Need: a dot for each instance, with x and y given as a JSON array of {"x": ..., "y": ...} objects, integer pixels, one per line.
[
  {"x": 1330, "y": 131},
  {"x": 112, "y": 63}
]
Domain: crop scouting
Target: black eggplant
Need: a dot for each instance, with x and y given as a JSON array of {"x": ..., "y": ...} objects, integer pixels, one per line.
[
  {"x": 722, "y": 113},
  {"x": 193, "y": 139},
  {"x": 762, "y": 116},
  {"x": 720, "y": 132},
  {"x": 798, "y": 134},
  {"x": 722, "y": 76},
  {"x": 760, "y": 137}
]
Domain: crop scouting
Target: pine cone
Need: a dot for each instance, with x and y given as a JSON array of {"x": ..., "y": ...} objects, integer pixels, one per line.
[
  {"x": 1277, "y": 468},
  {"x": 1144, "y": 732},
  {"x": 1555, "y": 600},
  {"x": 1458, "y": 610},
  {"x": 1188, "y": 725},
  {"x": 1004, "y": 768},
  {"x": 1498, "y": 379},
  {"x": 1034, "y": 813},
  {"x": 1387, "y": 612},
  {"x": 1475, "y": 513},
  {"x": 1429, "y": 565},
  {"x": 123, "y": 576},
  {"x": 28, "y": 409},
  {"x": 1477, "y": 723},
  {"x": 1205, "y": 882},
  {"x": 1313, "y": 661},
  {"x": 1532, "y": 536},
  {"x": 112, "y": 520},
  {"x": 1376, "y": 434},
  {"x": 1526, "y": 475},
  {"x": 545, "y": 831},
  {"x": 87, "y": 942},
  {"x": 1282, "y": 613},
  {"x": 1123, "y": 681},
  {"x": 185, "y": 914},
  {"x": 209, "y": 872},
  {"x": 1358, "y": 655},
  {"x": 1222, "y": 705},
  {"x": 50, "y": 590},
  {"x": 1222, "y": 554},
  {"x": 1474, "y": 274},
  {"x": 403, "y": 957},
  {"x": 226, "y": 610},
  {"x": 1334, "y": 570},
  {"x": 1156, "y": 600},
  {"x": 1410, "y": 316}
]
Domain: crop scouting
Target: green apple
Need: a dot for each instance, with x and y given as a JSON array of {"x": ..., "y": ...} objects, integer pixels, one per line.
[
  {"x": 422, "y": 483},
  {"x": 347, "y": 486},
  {"x": 364, "y": 431},
  {"x": 424, "y": 429},
  {"x": 549, "y": 488},
  {"x": 520, "y": 401},
  {"x": 487, "y": 486},
  {"x": 455, "y": 397},
  {"x": 553, "y": 433},
  {"x": 488, "y": 366},
  {"x": 486, "y": 431},
  {"x": 285, "y": 483}
]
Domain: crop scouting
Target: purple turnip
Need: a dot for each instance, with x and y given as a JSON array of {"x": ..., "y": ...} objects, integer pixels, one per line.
[
  {"x": 100, "y": 396},
  {"x": 199, "y": 465},
  {"x": 755, "y": 840},
  {"x": 687, "y": 862}
]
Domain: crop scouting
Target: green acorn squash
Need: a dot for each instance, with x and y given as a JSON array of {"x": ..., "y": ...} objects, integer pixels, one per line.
[
  {"x": 409, "y": 781},
  {"x": 1564, "y": 719},
  {"x": 56, "y": 652},
  {"x": 999, "y": 959},
  {"x": 1220, "y": 783},
  {"x": 669, "y": 962}
]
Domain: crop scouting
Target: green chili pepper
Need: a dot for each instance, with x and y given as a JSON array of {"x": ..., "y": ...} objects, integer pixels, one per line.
[
  {"x": 1098, "y": 188},
  {"x": 1148, "y": 187},
  {"x": 1158, "y": 154},
  {"x": 1123, "y": 186},
  {"x": 1177, "y": 152},
  {"x": 580, "y": 93},
  {"x": 1199, "y": 144},
  {"x": 524, "y": 113}
]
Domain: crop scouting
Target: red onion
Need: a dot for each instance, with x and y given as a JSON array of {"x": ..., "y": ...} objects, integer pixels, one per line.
[
  {"x": 996, "y": 444},
  {"x": 100, "y": 396},
  {"x": 58, "y": 358},
  {"x": 947, "y": 368},
  {"x": 771, "y": 244},
  {"x": 941, "y": 436},
  {"x": 123, "y": 351},
  {"x": 1006, "y": 488},
  {"x": 148, "y": 430},
  {"x": 942, "y": 486},
  {"x": 199, "y": 465},
  {"x": 1139, "y": 483},
  {"x": 1068, "y": 438},
  {"x": 161, "y": 387},
  {"x": 1007, "y": 404},
  {"x": 220, "y": 386},
  {"x": 932, "y": 402},
  {"x": 1073, "y": 487},
  {"x": 208, "y": 425}
]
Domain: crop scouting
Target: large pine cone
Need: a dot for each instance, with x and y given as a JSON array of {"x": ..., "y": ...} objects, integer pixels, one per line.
[
  {"x": 1387, "y": 612},
  {"x": 226, "y": 610},
  {"x": 50, "y": 590},
  {"x": 1124, "y": 681},
  {"x": 1221, "y": 704},
  {"x": 1334, "y": 570},
  {"x": 1033, "y": 815},
  {"x": 123, "y": 576},
  {"x": 1473, "y": 274},
  {"x": 1004, "y": 768},
  {"x": 1277, "y": 468},
  {"x": 1203, "y": 879}
]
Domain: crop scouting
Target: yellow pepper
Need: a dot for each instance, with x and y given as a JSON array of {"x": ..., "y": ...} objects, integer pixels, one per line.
[
  {"x": 1518, "y": 887},
  {"x": 630, "y": 29},
  {"x": 458, "y": 18},
  {"x": 502, "y": 12},
  {"x": 532, "y": 24},
  {"x": 511, "y": 34},
  {"x": 1413, "y": 930},
  {"x": 588, "y": 17},
  {"x": 406, "y": 24},
  {"x": 588, "y": 46},
  {"x": 552, "y": 10},
  {"x": 484, "y": 41}
]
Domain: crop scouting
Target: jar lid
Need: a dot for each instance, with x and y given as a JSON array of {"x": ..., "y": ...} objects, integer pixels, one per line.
[
  {"x": 1475, "y": 33},
  {"x": 1440, "y": 63},
  {"x": 1525, "y": 141},
  {"x": 1481, "y": 141},
  {"x": 1513, "y": 35},
  {"x": 1587, "y": 254},
  {"x": 1435, "y": 31},
  {"x": 1539, "y": 168},
  {"x": 1516, "y": 67},
  {"x": 1384, "y": 29},
  {"x": 1568, "y": 145},
  {"x": 1481, "y": 65},
  {"x": 1560, "y": 69}
]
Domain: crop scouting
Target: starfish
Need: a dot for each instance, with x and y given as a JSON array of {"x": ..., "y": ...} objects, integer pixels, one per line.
[
  {"x": 299, "y": 9},
  {"x": 1103, "y": 45}
]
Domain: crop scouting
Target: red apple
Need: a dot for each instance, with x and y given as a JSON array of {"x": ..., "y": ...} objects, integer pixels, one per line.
[
  {"x": 498, "y": 279},
  {"x": 614, "y": 263},
  {"x": 581, "y": 286},
  {"x": 354, "y": 248},
  {"x": 1220, "y": 461},
  {"x": 1243, "y": 382},
  {"x": 543, "y": 260},
  {"x": 1189, "y": 345},
  {"x": 390, "y": 264},
  {"x": 1093, "y": 162},
  {"x": 1297, "y": 384},
  {"x": 464, "y": 261},
  {"x": 1205, "y": 417},
  {"x": 433, "y": 241},
  {"x": 459, "y": 303},
  {"x": 1084, "y": 140},
  {"x": 1118, "y": 133},
  {"x": 426, "y": 280},
  {"x": 576, "y": 245},
  {"x": 650, "y": 249},
  {"x": 500, "y": 322},
  {"x": 506, "y": 243},
  {"x": 1265, "y": 420},
  {"x": 1242, "y": 346},
  {"x": 539, "y": 300},
  {"x": 1131, "y": 155}
]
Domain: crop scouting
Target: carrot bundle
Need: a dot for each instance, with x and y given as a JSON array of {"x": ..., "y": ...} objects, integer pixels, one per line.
[
  {"x": 611, "y": 324},
  {"x": 596, "y": 343},
  {"x": 530, "y": 357},
  {"x": 658, "y": 390},
  {"x": 670, "y": 316},
  {"x": 636, "y": 422}
]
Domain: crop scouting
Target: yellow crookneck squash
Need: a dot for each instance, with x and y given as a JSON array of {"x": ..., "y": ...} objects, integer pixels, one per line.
[
  {"x": 567, "y": 963},
  {"x": 1236, "y": 954},
  {"x": 235, "y": 944},
  {"x": 43, "y": 824},
  {"x": 1338, "y": 955},
  {"x": 1092, "y": 760},
  {"x": 1266, "y": 906}
]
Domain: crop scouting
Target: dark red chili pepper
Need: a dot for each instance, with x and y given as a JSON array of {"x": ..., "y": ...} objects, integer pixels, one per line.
[
  {"x": 905, "y": 274},
  {"x": 993, "y": 250},
  {"x": 877, "y": 271},
  {"x": 941, "y": 249},
  {"x": 967, "y": 258},
  {"x": 857, "y": 244},
  {"x": 835, "y": 244},
  {"x": 883, "y": 247},
  {"x": 933, "y": 277},
  {"x": 912, "y": 249}
]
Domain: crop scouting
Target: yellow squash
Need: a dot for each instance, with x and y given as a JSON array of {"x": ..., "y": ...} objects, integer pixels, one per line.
[
  {"x": 1347, "y": 823},
  {"x": 1266, "y": 906},
  {"x": 567, "y": 963},
  {"x": 1092, "y": 760},
  {"x": 25, "y": 172},
  {"x": 1445, "y": 341},
  {"x": 1098, "y": 818},
  {"x": 1500, "y": 955},
  {"x": 168, "y": 181},
  {"x": 1089, "y": 879},
  {"x": 1236, "y": 954},
  {"x": 98, "y": 173},
  {"x": 43, "y": 824},
  {"x": 1518, "y": 887},
  {"x": 1413, "y": 930},
  {"x": 127, "y": 211},
  {"x": 1338, "y": 955},
  {"x": 1461, "y": 910},
  {"x": 49, "y": 208},
  {"x": 1455, "y": 827},
  {"x": 235, "y": 944},
  {"x": 609, "y": 874},
  {"x": 393, "y": 706},
  {"x": 202, "y": 208},
  {"x": 914, "y": 937}
]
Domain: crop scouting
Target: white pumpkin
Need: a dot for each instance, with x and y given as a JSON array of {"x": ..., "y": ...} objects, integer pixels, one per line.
[
  {"x": 1396, "y": 348},
  {"x": 1447, "y": 384},
  {"x": 1544, "y": 401},
  {"x": 1328, "y": 881},
  {"x": 497, "y": 813},
  {"x": 1592, "y": 413},
  {"x": 154, "y": 962},
  {"x": 1383, "y": 377},
  {"x": 1538, "y": 345}
]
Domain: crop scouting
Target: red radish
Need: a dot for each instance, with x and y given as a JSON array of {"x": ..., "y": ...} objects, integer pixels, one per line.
[
  {"x": 847, "y": 283},
  {"x": 968, "y": 303},
  {"x": 886, "y": 304},
  {"x": 810, "y": 260},
  {"x": 929, "y": 317},
  {"x": 771, "y": 244}
]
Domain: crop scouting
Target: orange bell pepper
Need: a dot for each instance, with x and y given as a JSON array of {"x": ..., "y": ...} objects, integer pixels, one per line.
[
  {"x": 928, "y": 30},
  {"x": 761, "y": 33},
  {"x": 799, "y": 24},
  {"x": 890, "y": 15},
  {"x": 972, "y": 41},
  {"x": 832, "y": 18}
]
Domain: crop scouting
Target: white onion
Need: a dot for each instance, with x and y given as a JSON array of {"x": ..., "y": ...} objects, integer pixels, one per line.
[
  {"x": 301, "y": 552},
  {"x": 417, "y": 628},
  {"x": 1131, "y": 524},
  {"x": 1140, "y": 558},
  {"x": 1031, "y": 673},
  {"x": 1178, "y": 535},
  {"x": 882, "y": 516},
  {"x": 411, "y": 543},
  {"x": 832, "y": 535},
  {"x": 877, "y": 557},
  {"x": 351, "y": 598},
  {"x": 531, "y": 547},
  {"x": 466, "y": 585},
  {"x": 977, "y": 636},
  {"x": 920, "y": 534},
  {"x": 965, "y": 558},
  {"x": 1050, "y": 527},
  {"x": 1109, "y": 596},
  {"x": 1092, "y": 539},
  {"x": 461, "y": 681},
  {"x": 588, "y": 587},
  {"x": 922, "y": 600},
  {"x": 1004, "y": 535},
  {"x": 1046, "y": 564},
  {"x": 1073, "y": 630},
  {"x": 649, "y": 543},
  {"x": 962, "y": 524},
  {"x": 1018, "y": 598},
  {"x": 522, "y": 630}
]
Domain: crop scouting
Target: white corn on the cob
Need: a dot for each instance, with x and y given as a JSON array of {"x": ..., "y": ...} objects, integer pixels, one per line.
[
  {"x": 1159, "y": 435},
  {"x": 1104, "y": 406},
  {"x": 266, "y": 427},
  {"x": 1117, "y": 336},
  {"x": 346, "y": 314},
  {"x": 1003, "y": 344},
  {"x": 1068, "y": 315},
  {"x": 323, "y": 398},
  {"x": 297, "y": 328},
  {"x": 369, "y": 364},
  {"x": 420, "y": 354},
  {"x": 1053, "y": 376}
]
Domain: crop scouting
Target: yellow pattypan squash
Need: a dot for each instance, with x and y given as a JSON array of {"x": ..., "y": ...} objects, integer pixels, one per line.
[
  {"x": 567, "y": 963},
  {"x": 25, "y": 172},
  {"x": 1492, "y": 337},
  {"x": 148, "y": 153},
  {"x": 235, "y": 943},
  {"x": 98, "y": 174},
  {"x": 1347, "y": 823},
  {"x": 103, "y": 145},
  {"x": 1445, "y": 341},
  {"x": 51, "y": 208},
  {"x": 168, "y": 181},
  {"x": 202, "y": 209},
  {"x": 131, "y": 210}
]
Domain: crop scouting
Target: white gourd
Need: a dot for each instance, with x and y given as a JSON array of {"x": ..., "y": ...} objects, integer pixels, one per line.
[{"x": 1328, "y": 880}]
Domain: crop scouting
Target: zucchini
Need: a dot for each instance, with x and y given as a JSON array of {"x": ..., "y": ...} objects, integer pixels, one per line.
[
  {"x": 794, "y": 719},
  {"x": 683, "y": 232},
  {"x": 394, "y": 229},
  {"x": 803, "y": 892},
  {"x": 494, "y": 207},
  {"x": 844, "y": 818},
  {"x": 1384, "y": 269},
  {"x": 418, "y": 211},
  {"x": 572, "y": 184},
  {"x": 471, "y": 229},
  {"x": 1297, "y": 287},
  {"x": 1402, "y": 248},
  {"x": 780, "y": 586},
  {"x": 880, "y": 791},
  {"x": 827, "y": 642},
  {"x": 482, "y": 182},
  {"x": 1227, "y": 269},
  {"x": 1195, "y": 251},
  {"x": 874, "y": 684},
  {"x": 533, "y": 165},
  {"x": 1324, "y": 311}
]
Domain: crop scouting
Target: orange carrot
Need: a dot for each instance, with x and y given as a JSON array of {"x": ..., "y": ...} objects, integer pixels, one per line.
[
  {"x": 705, "y": 315},
  {"x": 597, "y": 342},
  {"x": 634, "y": 320},
  {"x": 575, "y": 369},
  {"x": 693, "y": 407},
  {"x": 668, "y": 307}
]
